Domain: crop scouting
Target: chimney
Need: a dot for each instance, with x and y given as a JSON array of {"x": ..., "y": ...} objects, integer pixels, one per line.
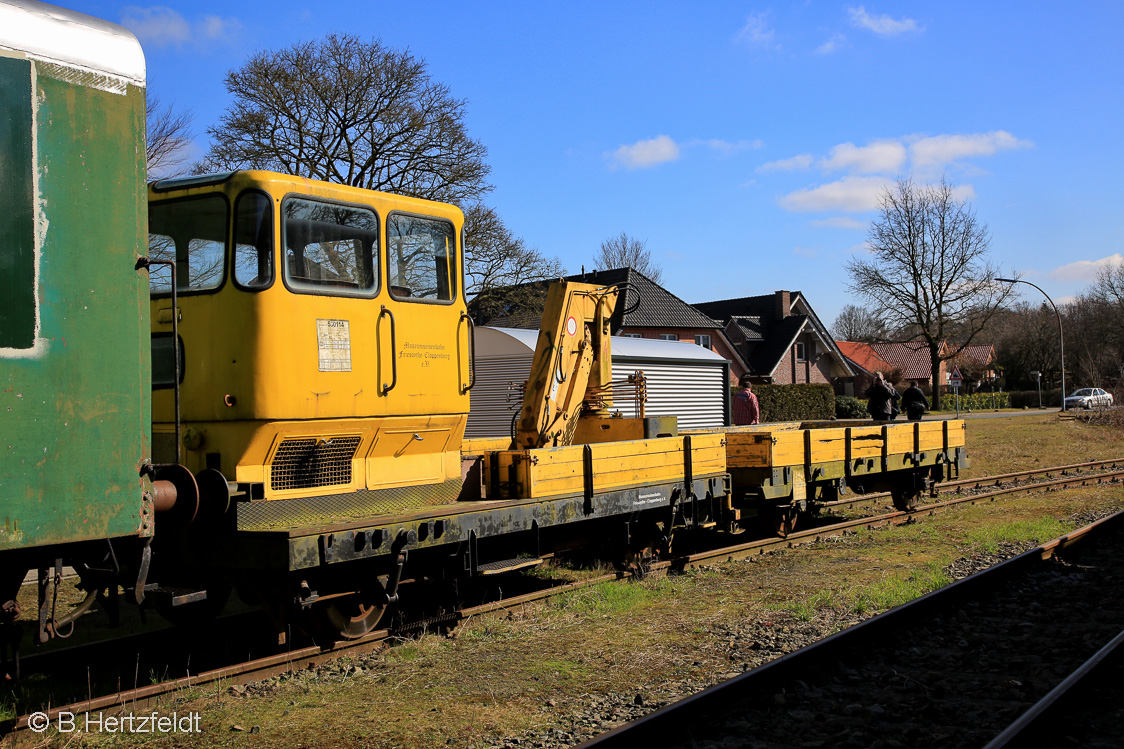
[{"x": 783, "y": 303}]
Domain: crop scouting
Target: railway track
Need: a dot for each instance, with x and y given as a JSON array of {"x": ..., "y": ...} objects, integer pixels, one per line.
[
  {"x": 314, "y": 655},
  {"x": 987, "y": 661},
  {"x": 1014, "y": 479}
]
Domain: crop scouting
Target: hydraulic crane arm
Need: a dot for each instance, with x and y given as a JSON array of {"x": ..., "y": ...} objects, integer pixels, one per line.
[{"x": 572, "y": 358}]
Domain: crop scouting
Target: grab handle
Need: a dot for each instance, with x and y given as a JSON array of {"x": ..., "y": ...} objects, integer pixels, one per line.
[{"x": 393, "y": 352}]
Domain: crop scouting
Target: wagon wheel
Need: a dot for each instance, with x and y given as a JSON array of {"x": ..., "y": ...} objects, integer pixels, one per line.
[
  {"x": 782, "y": 520},
  {"x": 350, "y": 616},
  {"x": 639, "y": 563},
  {"x": 905, "y": 499}
]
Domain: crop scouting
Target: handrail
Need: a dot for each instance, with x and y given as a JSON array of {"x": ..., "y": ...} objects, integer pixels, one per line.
[
  {"x": 146, "y": 262},
  {"x": 385, "y": 388},
  {"x": 471, "y": 352}
]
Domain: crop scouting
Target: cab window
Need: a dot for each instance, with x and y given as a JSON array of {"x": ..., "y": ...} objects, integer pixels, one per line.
[
  {"x": 330, "y": 248},
  {"x": 423, "y": 258},
  {"x": 253, "y": 240},
  {"x": 192, "y": 232}
]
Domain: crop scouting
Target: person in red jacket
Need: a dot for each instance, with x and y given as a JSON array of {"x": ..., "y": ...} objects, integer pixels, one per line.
[{"x": 744, "y": 406}]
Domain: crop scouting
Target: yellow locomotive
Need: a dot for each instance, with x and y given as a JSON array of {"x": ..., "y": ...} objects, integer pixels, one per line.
[{"x": 325, "y": 345}]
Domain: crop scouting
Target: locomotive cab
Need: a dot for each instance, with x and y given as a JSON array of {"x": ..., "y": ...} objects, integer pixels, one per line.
[{"x": 324, "y": 344}]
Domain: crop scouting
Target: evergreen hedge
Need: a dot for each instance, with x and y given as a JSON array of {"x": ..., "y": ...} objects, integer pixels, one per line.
[
  {"x": 847, "y": 407},
  {"x": 795, "y": 402},
  {"x": 1029, "y": 398},
  {"x": 977, "y": 401}
]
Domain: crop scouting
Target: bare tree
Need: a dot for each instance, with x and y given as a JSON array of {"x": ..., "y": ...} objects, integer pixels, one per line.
[
  {"x": 351, "y": 112},
  {"x": 168, "y": 137},
  {"x": 857, "y": 324},
  {"x": 500, "y": 270},
  {"x": 625, "y": 251},
  {"x": 928, "y": 270}
]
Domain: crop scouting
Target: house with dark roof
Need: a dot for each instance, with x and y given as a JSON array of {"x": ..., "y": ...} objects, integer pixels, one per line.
[
  {"x": 779, "y": 338},
  {"x": 644, "y": 310}
]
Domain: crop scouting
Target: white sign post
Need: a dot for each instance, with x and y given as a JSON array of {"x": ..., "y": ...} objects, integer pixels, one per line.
[{"x": 955, "y": 381}]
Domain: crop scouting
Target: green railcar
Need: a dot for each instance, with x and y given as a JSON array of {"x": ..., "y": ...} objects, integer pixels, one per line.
[{"x": 75, "y": 373}]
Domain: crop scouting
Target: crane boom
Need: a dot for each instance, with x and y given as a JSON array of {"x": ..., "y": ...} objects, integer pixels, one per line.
[{"x": 572, "y": 358}]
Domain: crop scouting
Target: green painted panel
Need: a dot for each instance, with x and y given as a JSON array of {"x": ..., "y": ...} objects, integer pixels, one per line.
[
  {"x": 17, "y": 223},
  {"x": 75, "y": 412}
]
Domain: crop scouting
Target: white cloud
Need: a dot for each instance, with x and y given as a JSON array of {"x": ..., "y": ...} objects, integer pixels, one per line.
[
  {"x": 1064, "y": 300},
  {"x": 882, "y": 25},
  {"x": 804, "y": 252},
  {"x": 939, "y": 150},
  {"x": 794, "y": 164},
  {"x": 831, "y": 45},
  {"x": 646, "y": 153},
  {"x": 725, "y": 147},
  {"x": 881, "y": 156},
  {"x": 157, "y": 25},
  {"x": 757, "y": 32},
  {"x": 840, "y": 222},
  {"x": 963, "y": 193},
  {"x": 1085, "y": 270},
  {"x": 160, "y": 26},
  {"x": 214, "y": 27},
  {"x": 851, "y": 194}
]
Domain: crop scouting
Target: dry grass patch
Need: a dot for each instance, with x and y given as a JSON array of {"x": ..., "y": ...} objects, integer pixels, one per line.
[{"x": 1018, "y": 443}]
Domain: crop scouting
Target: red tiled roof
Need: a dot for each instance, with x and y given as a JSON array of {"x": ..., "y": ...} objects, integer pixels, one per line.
[
  {"x": 863, "y": 355},
  {"x": 981, "y": 354},
  {"x": 911, "y": 358}
]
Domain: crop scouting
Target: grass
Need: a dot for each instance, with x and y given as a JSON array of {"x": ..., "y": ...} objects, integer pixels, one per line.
[{"x": 1003, "y": 445}]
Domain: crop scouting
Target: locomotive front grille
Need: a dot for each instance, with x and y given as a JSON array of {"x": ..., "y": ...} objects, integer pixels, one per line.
[{"x": 312, "y": 462}]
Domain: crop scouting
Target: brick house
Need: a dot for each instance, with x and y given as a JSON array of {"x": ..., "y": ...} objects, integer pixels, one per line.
[
  {"x": 780, "y": 339},
  {"x": 864, "y": 361},
  {"x": 910, "y": 361}
]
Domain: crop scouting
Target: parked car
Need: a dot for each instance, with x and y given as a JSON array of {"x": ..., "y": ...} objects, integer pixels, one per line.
[{"x": 1089, "y": 398}]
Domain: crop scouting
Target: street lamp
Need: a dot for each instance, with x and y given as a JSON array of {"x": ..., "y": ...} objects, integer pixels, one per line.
[{"x": 1061, "y": 335}]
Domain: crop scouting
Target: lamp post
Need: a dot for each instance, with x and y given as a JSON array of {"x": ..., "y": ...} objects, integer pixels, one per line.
[{"x": 1061, "y": 334}]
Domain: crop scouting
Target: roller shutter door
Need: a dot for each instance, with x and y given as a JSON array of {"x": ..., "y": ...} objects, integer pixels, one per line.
[
  {"x": 693, "y": 392},
  {"x": 496, "y": 396}
]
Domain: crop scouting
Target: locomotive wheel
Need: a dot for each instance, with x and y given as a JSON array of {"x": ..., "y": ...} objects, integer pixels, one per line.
[{"x": 351, "y": 616}]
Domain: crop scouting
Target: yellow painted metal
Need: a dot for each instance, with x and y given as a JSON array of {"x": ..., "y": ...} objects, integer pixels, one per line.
[
  {"x": 557, "y": 471},
  {"x": 594, "y": 430},
  {"x": 572, "y": 359},
  {"x": 481, "y": 445},
  {"x": 786, "y": 445},
  {"x": 253, "y": 370}
]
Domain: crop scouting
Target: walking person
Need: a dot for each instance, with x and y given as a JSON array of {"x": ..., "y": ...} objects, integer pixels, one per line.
[
  {"x": 744, "y": 406},
  {"x": 879, "y": 398},
  {"x": 914, "y": 402}
]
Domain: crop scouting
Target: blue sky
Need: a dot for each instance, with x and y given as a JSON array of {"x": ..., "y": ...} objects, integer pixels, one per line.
[{"x": 746, "y": 143}]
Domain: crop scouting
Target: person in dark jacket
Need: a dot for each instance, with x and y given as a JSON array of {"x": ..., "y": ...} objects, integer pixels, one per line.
[
  {"x": 914, "y": 402},
  {"x": 879, "y": 397}
]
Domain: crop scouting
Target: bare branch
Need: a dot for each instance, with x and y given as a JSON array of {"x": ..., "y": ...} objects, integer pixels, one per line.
[
  {"x": 928, "y": 272},
  {"x": 624, "y": 251},
  {"x": 167, "y": 139}
]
